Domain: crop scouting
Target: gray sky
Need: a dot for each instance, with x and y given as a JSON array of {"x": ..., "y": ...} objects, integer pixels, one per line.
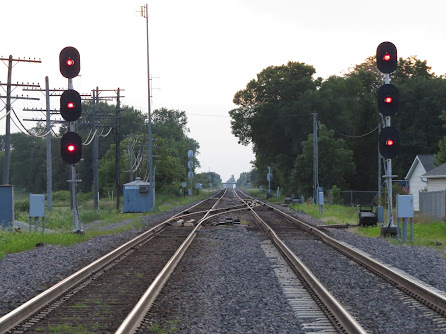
[{"x": 203, "y": 51}]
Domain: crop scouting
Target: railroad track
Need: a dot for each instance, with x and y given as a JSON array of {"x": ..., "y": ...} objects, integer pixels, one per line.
[
  {"x": 286, "y": 227},
  {"x": 113, "y": 284},
  {"x": 335, "y": 312}
]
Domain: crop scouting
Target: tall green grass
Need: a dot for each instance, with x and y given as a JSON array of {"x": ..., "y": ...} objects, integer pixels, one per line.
[
  {"x": 426, "y": 232},
  {"x": 12, "y": 242},
  {"x": 60, "y": 220}
]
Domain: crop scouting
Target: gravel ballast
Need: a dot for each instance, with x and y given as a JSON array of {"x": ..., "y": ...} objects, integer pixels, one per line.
[
  {"x": 234, "y": 251},
  {"x": 26, "y": 274},
  {"x": 224, "y": 284}
]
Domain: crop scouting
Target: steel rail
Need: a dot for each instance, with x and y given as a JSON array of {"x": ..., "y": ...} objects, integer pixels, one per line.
[
  {"x": 347, "y": 322},
  {"x": 421, "y": 292},
  {"x": 27, "y": 309},
  {"x": 136, "y": 316}
]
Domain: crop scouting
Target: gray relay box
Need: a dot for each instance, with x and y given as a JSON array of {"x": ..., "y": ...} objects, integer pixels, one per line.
[
  {"x": 6, "y": 206},
  {"x": 404, "y": 206},
  {"x": 37, "y": 205}
]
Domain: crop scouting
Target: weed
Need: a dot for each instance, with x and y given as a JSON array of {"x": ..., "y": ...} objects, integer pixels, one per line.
[
  {"x": 60, "y": 220},
  {"x": 162, "y": 330},
  {"x": 79, "y": 306},
  {"x": 426, "y": 232},
  {"x": 67, "y": 329}
]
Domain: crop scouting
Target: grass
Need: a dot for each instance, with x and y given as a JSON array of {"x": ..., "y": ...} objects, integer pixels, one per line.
[
  {"x": 426, "y": 232},
  {"x": 79, "y": 306},
  {"x": 11, "y": 242},
  {"x": 172, "y": 324},
  {"x": 79, "y": 329},
  {"x": 60, "y": 220}
]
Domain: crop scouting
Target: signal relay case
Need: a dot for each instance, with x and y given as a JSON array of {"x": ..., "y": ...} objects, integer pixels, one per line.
[{"x": 7, "y": 206}]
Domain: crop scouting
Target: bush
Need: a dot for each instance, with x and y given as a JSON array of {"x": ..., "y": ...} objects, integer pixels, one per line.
[
  {"x": 61, "y": 196},
  {"x": 21, "y": 207},
  {"x": 336, "y": 194},
  {"x": 85, "y": 197}
]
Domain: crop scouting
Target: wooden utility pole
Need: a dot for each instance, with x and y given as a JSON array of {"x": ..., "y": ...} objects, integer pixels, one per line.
[
  {"x": 98, "y": 120},
  {"x": 8, "y": 97},
  {"x": 118, "y": 146}
]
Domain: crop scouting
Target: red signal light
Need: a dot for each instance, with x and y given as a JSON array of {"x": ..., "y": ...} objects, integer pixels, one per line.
[
  {"x": 71, "y": 148},
  {"x": 389, "y": 142},
  {"x": 70, "y": 105},
  {"x": 388, "y": 99},
  {"x": 70, "y": 62},
  {"x": 387, "y": 57}
]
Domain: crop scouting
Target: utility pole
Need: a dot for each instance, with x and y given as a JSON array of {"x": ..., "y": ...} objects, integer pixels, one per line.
[
  {"x": 95, "y": 149},
  {"x": 315, "y": 161},
  {"x": 100, "y": 119},
  {"x": 8, "y": 124},
  {"x": 49, "y": 178},
  {"x": 131, "y": 161},
  {"x": 9, "y": 86},
  {"x": 118, "y": 146},
  {"x": 144, "y": 12}
]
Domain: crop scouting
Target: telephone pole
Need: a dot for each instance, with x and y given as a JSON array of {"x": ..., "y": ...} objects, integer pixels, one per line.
[
  {"x": 118, "y": 147},
  {"x": 101, "y": 119},
  {"x": 145, "y": 13},
  {"x": 315, "y": 161},
  {"x": 8, "y": 97}
]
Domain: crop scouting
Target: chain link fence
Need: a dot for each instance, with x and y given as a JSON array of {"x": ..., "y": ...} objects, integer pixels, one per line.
[{"x": 357, "y": 197}]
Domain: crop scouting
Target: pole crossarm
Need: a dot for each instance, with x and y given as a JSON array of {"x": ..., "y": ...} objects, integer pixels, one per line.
[
  {"x": 21, "y": 85},
  {"x": 20, "y": 97},
  {"x": 41, "y": 110},
  {"x": 29, "y": 60}
]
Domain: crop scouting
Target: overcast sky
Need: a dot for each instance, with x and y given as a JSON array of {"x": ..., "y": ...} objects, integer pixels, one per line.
[{"x": 203, "y": 51}]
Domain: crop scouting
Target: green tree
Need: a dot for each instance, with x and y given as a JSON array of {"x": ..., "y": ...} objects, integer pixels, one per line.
[
  {"x": 28, "y": 162},
  {"x": 440, "y": 157},
  {"x": 274, "y": 114},
  {"x": 170, "y": 146},
  {"x": 209, "y": 179},
  {"x": 335, "y": 163}
]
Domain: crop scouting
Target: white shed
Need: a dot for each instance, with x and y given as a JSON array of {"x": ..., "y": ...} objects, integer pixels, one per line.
[
  {"x": 436, "y": 178},
  {"x": 420, "y": 166}
]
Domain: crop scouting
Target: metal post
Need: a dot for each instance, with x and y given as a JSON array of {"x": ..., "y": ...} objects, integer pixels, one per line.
[
  {"x": 8, "y": 124},
  {"x": 131, "y": 160},
  {"x": 315, "y": 161},
  {"x": 404, "y": 229},
  {"x": 77, "y": 224},
  {"x": 49, "y": 174},
  {"x": 118, "y": 150},
  {"x": 389, "y": 173},
  {"x": 151, "y": 186},
  {"x": 95, "y": 149},
  {"x": 379, "y": 168}
]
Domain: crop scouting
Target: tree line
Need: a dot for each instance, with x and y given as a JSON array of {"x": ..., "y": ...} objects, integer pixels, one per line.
[
  {"x": 275, "y": 113},
  {"x": 171, "y": 141}
]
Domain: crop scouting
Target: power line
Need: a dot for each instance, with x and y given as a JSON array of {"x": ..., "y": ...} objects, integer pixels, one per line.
[{"x": 359, "y": 136}]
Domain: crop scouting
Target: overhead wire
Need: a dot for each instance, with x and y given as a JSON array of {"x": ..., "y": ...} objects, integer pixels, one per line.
[
  {"x": 5, "y": 115},
  {"x": 29, "y": 133},
  {"x": 106, "y": 134},
  {"x": 359, "y": 136},
  {"x": 92, "y": 137},
  {"x": 88, "y": 136}
]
